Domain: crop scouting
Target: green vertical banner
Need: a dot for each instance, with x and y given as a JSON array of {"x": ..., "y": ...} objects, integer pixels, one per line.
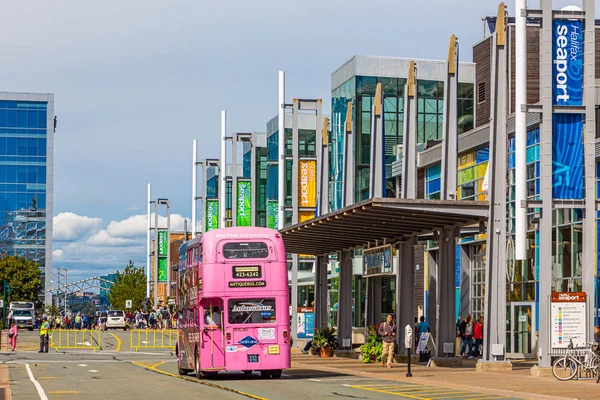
[
  {"x": 162, "y": 245},
  {"x": 162, "y": 269},
  {"x": 244, "y": 204},
  {"x": 212, "y": 215},
  {"x": 273, "y": 214}
]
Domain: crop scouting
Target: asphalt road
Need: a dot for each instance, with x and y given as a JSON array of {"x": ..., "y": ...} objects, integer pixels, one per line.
[{"x": 116, "y": 371}]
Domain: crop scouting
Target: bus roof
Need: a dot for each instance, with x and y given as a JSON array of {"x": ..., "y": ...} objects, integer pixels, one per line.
[{"x": 241, "y": 233}]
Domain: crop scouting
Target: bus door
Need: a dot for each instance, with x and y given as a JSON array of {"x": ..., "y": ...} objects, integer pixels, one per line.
[{"x": 212, "y": 354}]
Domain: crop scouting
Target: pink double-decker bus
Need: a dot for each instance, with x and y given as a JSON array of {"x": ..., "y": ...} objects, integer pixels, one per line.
[{"x": 232, "y": 296}]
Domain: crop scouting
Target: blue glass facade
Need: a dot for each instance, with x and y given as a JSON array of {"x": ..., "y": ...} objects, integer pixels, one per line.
[
  {"x": 23, "y": 160},
  {"x": 361, "y": 91}
]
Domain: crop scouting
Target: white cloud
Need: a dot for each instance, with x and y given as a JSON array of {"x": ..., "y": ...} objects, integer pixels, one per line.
[
  {"x": 70, "y": 227},
  {"x": 137, "y": 225},
  {"x": 133, "y": 226},
  {"x": 101, "y": 251},
  {"x": 105, "y": 239}
]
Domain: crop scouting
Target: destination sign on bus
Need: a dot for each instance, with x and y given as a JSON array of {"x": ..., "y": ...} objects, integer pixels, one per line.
[
  {"x": 247, "y": 272},
  {"x": 247, "y": 284}
]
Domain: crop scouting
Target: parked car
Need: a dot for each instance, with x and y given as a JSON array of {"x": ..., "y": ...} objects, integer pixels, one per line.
[{"x": 116, "y": 319}]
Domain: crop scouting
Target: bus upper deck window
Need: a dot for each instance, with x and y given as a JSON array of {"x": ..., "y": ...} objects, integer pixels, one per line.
[{"x": 245, "y": 250}]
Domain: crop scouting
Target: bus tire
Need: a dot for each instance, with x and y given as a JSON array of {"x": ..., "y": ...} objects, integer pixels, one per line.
[
  {"x": 265, "y": 374},
  {"x": 276, "y": 373}
]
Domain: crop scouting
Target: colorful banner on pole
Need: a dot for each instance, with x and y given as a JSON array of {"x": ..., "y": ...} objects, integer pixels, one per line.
[
  {"x": 212, "y": 215},
  {"x": 307, "y": 193},
  {"x": 305, "y": 215},
  {"x": 567, "y": 156},
  {"x": 273, "y": 214},
  {"x": 244, "y": 204},
  {"x": 163, "y": 248},
  {"x": 567, "y": 90},
  {"x": 162, "y": 269},
  {"x": 567, "y": 66}
]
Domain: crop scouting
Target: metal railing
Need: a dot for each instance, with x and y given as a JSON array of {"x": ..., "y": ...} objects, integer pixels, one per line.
[
  {"x": 153, "y": 339},
  {"x": 70, "y": 339}
]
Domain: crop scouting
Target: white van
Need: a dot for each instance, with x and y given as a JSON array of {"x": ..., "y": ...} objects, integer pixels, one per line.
[{"x": 116, "y": 319}]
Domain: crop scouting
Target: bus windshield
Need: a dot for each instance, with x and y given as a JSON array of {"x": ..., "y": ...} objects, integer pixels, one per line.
[
  {"x": 251, "y": 311},
  {"x": 245, "y": 250},
  {"x": 22, "y": 313}
]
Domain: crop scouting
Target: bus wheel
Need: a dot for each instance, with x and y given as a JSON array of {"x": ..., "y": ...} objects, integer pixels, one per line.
[
  {"x": 276, "y": 374},
  {"x": 247, "y": 371},
  {"x": 265, "y": 374}
]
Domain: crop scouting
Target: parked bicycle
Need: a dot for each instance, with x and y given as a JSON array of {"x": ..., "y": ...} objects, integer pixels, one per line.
[{"x": 577, "y": 362}]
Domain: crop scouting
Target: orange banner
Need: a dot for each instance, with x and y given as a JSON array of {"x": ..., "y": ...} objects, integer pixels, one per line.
[{"x": 307, "y": 191}]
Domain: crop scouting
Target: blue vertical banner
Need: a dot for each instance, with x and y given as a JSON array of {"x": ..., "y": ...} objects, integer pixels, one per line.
[
  {"x": 567, "y": 69},
  {"x": 567, "y": 90},
  {"x": 567, "y": 156}
]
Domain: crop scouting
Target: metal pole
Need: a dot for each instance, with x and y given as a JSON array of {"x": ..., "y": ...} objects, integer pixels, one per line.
[
  {"x": 155, "y": 252},
  {"x": 203, "y": 201},
  {"x": 408, "y": 373},
  {"x": 521, "y": 130},
  {"x": 223, "y": 171},
  {"x": 194, "y": 185},
  {"x": 281, "y": 156},
  {"x": 234, "y": 179},
  {"x": 168, "y": 248},
  {"x": 148, "y": 249}
]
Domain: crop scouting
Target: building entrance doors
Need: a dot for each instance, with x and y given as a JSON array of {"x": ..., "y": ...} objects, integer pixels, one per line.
[{"x": 522, "y": 337}]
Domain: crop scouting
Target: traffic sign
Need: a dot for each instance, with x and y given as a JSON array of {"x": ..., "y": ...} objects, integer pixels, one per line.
[{"x": 128, "y": 303}]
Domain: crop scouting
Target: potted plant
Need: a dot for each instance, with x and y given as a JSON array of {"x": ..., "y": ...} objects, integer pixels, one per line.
[
  {"x": 372, "y": 350},
  {"x": 324, "y": 341}
]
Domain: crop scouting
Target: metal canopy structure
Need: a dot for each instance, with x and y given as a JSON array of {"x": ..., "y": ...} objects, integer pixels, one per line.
[
  {"x": 79, "y": 286},
  {"x": 378, "y": 221}
]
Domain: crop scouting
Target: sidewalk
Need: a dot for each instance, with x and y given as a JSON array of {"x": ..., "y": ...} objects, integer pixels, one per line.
[
  {"x": 5, "y": 393},
  {"x": 515, "y": 383}
]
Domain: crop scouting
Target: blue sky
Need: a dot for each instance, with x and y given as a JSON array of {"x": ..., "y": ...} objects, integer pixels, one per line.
[{"x": 136, "y": 80}]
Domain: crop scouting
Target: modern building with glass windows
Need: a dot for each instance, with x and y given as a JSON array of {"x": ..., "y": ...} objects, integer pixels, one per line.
[
  {"x": 26, "y": 179},
  {"x": 356, "y": 80}
]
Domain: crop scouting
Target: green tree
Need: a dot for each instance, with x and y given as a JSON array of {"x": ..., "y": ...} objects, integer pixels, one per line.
[
  {"x": 52, "y": 311},
  {"x": 130, "y": 285},
  {"x": 23, "y": 276}
]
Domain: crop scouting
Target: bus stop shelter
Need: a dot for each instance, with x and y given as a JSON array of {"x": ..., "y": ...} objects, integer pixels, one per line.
[{"x": 386, "y": 221}]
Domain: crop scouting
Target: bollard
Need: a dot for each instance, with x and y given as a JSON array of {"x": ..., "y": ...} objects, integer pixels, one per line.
[{"x": 408, "y": 341}]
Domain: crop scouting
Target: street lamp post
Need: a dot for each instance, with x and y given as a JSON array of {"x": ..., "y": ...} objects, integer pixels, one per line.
[{"x": 5, "y": 290}]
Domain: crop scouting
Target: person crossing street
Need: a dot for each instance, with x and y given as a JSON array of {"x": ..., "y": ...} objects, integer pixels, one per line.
[
  {"x": 44, "y": 331},
  {"x": 387, "y": 330}
]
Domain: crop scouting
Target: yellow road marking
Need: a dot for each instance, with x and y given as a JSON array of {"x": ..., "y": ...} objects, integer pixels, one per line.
[
  {"x": 213, "y": 385},
  {"x": 47, "y": 378},
  {"x": 65, "y": 392},
  {"x": 157, "y": 364},
  {"x": 428, "y": 393},
  {"x": 387, "y": 392},
  {"x": 118, "y": 341}
]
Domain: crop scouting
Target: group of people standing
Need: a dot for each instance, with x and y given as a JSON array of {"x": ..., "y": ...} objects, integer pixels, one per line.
[
  {"x": 162, "y": 318},
  {"x": 471, "y": 336}
]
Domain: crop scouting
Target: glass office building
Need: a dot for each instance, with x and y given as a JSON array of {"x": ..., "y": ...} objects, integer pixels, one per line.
[
  {"x": 356, "y": 81},
  {"x": 26, "y": 175}
]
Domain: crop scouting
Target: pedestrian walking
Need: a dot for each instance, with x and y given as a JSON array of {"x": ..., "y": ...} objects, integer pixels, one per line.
[
  {"x": 422, "y": 327},
  {"x": 478, "y": 337},
  {"x": 466, "y": 331},
  {"x": 387, "y": 330},
  {"x": 44, "y": 331},
  {"x": 12, "y": 335}
]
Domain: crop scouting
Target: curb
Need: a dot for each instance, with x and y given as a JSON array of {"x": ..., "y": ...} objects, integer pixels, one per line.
[{"x": 432, "y": 382}]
